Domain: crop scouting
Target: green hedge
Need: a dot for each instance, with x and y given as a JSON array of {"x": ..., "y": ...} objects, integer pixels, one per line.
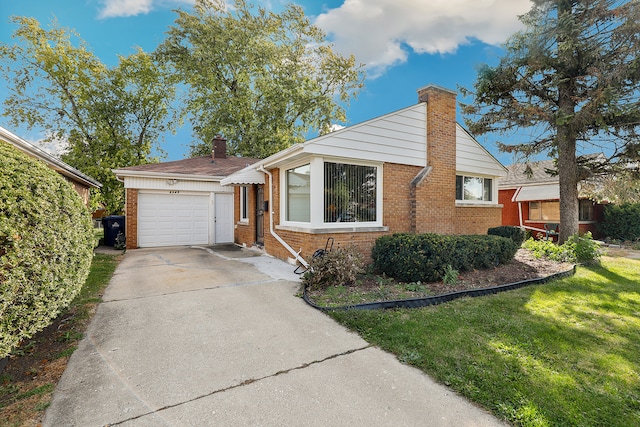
[
  {"x": 621, "y": 221},
  {"x": 516, "y": 234},
  {"x": 46, "y": 246},
  {"x": 424, "y": 257}
]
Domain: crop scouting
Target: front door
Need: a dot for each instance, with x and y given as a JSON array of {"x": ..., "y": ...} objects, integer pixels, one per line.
[{"x": 259, "y": 215}]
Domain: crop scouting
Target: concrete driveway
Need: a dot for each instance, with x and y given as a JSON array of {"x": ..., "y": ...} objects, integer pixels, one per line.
[{"x": 201, "y": 337}]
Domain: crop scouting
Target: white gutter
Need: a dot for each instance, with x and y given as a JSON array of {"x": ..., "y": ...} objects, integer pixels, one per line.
[{"x": 271, "y": 230}]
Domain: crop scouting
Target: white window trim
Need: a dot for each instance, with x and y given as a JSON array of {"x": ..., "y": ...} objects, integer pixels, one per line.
[
  {"x": 244, "y": 200},
  {"x": 317, "y": 200},
  {"x": 494, "y": 190}
]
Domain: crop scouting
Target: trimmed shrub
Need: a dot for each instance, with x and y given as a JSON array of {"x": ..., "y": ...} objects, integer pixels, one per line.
[
  {"x": 46, "y": 246},
  {"x": 621, "y": 222},
  {"x": 339, "y": 266},
  {"x": 516, "y": 234},
  {"x": 426, "y": 257}
]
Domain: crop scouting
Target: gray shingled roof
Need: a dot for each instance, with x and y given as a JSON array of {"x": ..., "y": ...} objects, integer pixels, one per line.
[
  {"x": 516, "y": 174},
  {"x": 196, "y": 166}
]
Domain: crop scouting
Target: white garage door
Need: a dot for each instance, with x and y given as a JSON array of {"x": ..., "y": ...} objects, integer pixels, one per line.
[{"x": 172, "y": 219}]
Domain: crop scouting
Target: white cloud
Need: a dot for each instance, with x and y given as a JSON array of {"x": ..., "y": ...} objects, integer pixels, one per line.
[
  {"x": 54, "y": 146},
  {"x": 124, "y": 8},
  {"x": 380, "y": 33},
  {"x": 121, "y": 8}
]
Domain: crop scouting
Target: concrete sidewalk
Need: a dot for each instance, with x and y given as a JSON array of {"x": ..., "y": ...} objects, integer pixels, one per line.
[{"x": 191, "y": 337}]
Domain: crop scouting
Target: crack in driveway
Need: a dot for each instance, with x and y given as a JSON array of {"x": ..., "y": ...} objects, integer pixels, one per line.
[{"x": 242, "y": 384}]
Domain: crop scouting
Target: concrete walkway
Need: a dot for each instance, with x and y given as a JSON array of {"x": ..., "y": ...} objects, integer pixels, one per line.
[{"x": 193, "y": 337}]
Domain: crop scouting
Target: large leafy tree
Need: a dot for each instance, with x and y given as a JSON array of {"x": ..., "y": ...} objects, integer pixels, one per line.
[
  {"x": 109, "y": 117},
  {"x": 570, "y": 82},
  {"x": 259, "y": 78}
]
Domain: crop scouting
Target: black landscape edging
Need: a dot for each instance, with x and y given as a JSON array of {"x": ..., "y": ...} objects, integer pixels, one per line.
[{"x": 439, "y": 299}]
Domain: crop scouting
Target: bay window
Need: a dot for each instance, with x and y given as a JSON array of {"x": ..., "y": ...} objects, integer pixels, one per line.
[
  {"x": 350, "y": 193},
  {"x": 331, "y": 194},
  {"x": 298, "y": 185}
]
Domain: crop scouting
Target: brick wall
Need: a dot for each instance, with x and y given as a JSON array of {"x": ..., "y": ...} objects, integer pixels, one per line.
[
  {"x": 510, "y": 213},
  {"x": 477, "y": 220},
  {"x": 245, "y": 232},
  {"x": 131, "y": 217}
]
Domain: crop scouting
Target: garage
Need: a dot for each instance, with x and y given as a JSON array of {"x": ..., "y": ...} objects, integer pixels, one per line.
[
  {"x": 182, "y": 202},
  {"x": 173, "y": 219}
]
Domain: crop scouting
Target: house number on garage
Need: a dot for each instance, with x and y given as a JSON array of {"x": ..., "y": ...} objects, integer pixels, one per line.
[{"x": 174, "y": 191}]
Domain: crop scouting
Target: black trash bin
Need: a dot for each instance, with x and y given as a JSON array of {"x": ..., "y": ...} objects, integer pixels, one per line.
[{"x": 112, "y": 225}]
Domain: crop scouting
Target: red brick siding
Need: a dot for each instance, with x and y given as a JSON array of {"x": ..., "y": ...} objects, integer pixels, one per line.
[
  {"x": 131, "y": 217},
  {"x": 510, "y": 215},
  {"x": 245, "y": 232}
]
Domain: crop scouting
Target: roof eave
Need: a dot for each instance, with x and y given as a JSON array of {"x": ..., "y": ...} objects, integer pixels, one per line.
[
  {"x": 121, "y": 173},
  {"x": 55, "y": 164}
]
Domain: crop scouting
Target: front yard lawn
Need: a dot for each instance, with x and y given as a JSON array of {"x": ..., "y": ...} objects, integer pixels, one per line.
[{"x": 566, "y": 353}]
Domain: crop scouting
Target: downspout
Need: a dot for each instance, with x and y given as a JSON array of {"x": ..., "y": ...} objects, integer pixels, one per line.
[
  {"x": 513, "y": 199},
  {"x": 271, "y": 230}
]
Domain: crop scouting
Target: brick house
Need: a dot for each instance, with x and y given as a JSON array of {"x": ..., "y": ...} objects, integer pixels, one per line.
[
  {"x": 413, "y": 170},
  {"x": 531, "y": 199},
  {"x": 81, "y": 183},
  {"x": 181, "y": 202}
]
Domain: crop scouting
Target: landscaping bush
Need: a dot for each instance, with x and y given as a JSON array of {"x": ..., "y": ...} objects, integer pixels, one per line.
[
  {"x": 577, "y": 249},
  {"x": 621, "y": 222},
  {"x": 426, "y": 257},
  {"x": 516, "y": 234},
  {"x": 548, "y": 249},
  {"x": 46, "y": 246},
  {"x": 339, "y": 266}
]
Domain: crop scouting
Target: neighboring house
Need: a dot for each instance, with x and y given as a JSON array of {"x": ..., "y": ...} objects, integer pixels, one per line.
[
  {"x": 414, "y": 170},
  {"x": 180, "y": 202},
  {"x": 81, "y": 182},
  {"x": 531, "y": 199}
]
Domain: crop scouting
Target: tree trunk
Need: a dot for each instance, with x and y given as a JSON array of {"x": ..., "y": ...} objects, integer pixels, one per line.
[
  {"x": 567, "y": 173},
  {"x": 566, "y": 134}
]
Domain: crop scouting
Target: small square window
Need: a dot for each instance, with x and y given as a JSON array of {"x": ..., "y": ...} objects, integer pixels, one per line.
[{"x": 473, "y": 188}]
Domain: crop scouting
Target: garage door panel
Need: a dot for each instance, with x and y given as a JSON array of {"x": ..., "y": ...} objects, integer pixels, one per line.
[{"x": 172, "y": 219}]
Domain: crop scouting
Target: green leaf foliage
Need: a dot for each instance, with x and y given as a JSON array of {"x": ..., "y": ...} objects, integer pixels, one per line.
[
  {"x": 516, "y": 234},
  {"x": 107, "y": 117},
  {"x": 46, "y": 246},
  {"x": 566, "y": 86},
  {"x": 261, "y": 79},
  {"x": 577, "y": 249},
  {"x": 427, "y": 257},
  {"x": 621, "y": 222}
]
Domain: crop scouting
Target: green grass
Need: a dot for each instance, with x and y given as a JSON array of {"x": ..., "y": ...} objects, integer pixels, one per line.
[
  {"x": 562, "y": 354},
  {"x": 102, "y": 269},
  {"x": 13, "y": 410}
]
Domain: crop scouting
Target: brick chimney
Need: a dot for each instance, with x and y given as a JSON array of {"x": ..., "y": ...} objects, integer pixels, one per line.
[
  {"x": 219, "y": 149},
  {"x": 435, "y": 195}
]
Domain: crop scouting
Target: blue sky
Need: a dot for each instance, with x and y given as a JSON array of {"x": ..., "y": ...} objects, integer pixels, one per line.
[{"x": 406, "y": 44}]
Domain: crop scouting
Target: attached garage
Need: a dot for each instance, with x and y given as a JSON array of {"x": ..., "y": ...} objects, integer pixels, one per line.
[
  {"x": 182, "y": 202},
  {"x": 173, "y": 219}
]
